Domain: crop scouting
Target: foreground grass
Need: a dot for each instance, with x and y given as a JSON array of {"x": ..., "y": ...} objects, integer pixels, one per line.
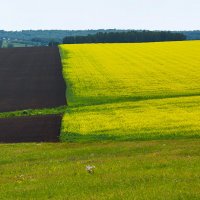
[
  {"x": 124, "y": 170},
  {"x": 131, "y": 91}
]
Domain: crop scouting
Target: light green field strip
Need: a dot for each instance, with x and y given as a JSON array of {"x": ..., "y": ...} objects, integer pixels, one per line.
[
  {"x": 132, "y": 91},
  {"x": 32, "y": 112}
]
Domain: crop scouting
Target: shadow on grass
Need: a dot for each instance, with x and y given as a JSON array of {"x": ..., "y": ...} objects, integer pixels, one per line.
[
  {"x": 95, "y": 101},
  {"x": 77, "y": 137}
]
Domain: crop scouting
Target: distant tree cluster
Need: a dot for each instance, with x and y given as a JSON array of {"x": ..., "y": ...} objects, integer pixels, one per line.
[
  {"x": 10, "y": 45},
  {"x": 191, "y": 35},
  {"x": 45, "y": 37},
  {"x": 53, "y": 43},
  {"x": 126, "y": 37},
  {"x": 1, "y": 43}
]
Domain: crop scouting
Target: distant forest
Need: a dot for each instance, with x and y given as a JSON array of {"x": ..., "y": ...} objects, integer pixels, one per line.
[
  {"x": 125, "y": 37},
  {"x": 42, "y": 37},
  {"x": 46, "y": 37},
  {"x": 191, "y": 35}
]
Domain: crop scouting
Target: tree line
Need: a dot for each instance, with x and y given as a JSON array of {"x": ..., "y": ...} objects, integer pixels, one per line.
[
  {"x": 191, "y": 35},
  {"x": 126, "y": 37}
]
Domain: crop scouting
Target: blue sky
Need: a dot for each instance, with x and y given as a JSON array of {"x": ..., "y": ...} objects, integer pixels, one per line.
[{"x": 97, "y": 14}]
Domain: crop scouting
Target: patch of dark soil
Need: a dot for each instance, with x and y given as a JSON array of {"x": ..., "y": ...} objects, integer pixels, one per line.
[
  {"x": 31, "y": 78},
  {"x": 30, "y": 129}
]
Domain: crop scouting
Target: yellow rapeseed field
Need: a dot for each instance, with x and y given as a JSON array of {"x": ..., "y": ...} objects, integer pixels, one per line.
[{"x": 132, "y": 91}]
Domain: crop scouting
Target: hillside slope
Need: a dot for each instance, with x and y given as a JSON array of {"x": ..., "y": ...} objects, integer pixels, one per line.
[{"x": 132, "y": 91}]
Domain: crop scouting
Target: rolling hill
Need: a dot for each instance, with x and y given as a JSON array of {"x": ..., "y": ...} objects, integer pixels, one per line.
[
  {"x": 132, "y": 91},
  {"x": 115, "y": 92}
]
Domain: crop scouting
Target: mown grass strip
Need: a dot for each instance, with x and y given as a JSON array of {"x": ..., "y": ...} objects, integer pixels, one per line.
[{"x": 33, "y": 112}]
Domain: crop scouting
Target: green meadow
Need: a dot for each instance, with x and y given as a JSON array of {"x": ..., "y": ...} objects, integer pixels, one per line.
[{"x": 167, "y": 170}]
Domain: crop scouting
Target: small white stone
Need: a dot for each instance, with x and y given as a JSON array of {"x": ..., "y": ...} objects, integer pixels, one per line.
[{"x": 90, "y": 169}]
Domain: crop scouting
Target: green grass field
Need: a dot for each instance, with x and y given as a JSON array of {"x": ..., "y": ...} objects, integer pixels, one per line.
[
  {"x": 167, "y": 170},
  {"x": 132, "y": 91}
]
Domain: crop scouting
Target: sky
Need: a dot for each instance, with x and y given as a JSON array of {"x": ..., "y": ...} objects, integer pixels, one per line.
[{"x": 100, "y": 14}]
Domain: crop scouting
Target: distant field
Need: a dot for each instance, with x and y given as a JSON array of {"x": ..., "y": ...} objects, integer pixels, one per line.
[{"x": 132, "y": 91}]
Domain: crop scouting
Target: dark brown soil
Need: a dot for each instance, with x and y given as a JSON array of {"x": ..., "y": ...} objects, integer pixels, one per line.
[
  {"x": 31, "y": 78},
  {"x": 30, "y": 129}
]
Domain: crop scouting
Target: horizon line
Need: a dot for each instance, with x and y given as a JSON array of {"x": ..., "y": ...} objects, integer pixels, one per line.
[{"x": 128, "y": 29}]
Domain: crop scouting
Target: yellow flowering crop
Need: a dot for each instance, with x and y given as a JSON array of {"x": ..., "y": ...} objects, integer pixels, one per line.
[{"x": 132, "y": 91}]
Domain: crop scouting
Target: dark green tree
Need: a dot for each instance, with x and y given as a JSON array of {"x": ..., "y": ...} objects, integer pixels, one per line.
[
  {"x": 125, "y": 37},
  {"x": 10, "y": 45},
  {"x": 53, "y": 43}
]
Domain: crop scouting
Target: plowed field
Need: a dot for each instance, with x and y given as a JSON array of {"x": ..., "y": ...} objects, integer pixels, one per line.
[
  {"x": 31, "y": 78},
  {"x": 30, "y": 129}
]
